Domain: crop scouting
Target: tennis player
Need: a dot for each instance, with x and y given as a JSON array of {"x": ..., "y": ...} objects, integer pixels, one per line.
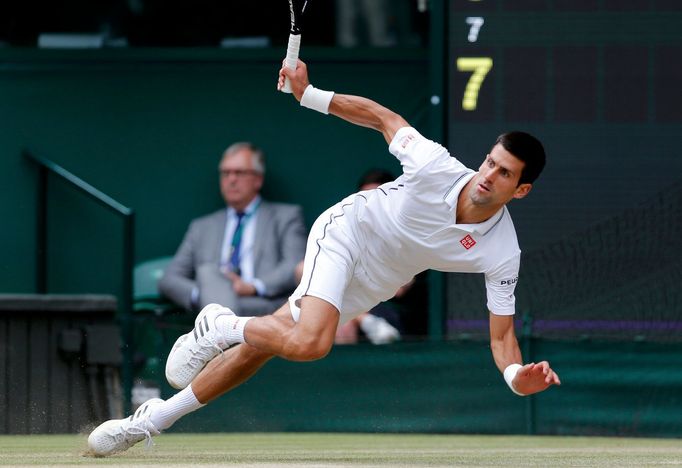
[{"x": 437, "y": 215}]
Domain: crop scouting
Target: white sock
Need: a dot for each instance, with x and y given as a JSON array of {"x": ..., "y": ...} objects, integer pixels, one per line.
[
  {"x": 231, "y": 329},
  {"x": 165, "y": 414}
]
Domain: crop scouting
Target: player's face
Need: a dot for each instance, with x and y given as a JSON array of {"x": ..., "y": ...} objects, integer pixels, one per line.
[
  {"x": 497, "y": 180},
  {"x": 239, "y": 182}
]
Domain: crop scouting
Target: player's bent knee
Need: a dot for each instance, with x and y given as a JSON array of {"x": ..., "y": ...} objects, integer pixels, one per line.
[
  {"x": 319, "y": 351},
  {"x": 308, "y": 348}
]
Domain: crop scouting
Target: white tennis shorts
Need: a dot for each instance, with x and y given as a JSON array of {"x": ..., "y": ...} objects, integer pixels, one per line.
[{"x": 330, "y": 270}]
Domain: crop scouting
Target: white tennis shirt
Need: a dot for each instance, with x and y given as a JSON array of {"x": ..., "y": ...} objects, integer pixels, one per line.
[{"x": 407, "y": 226}]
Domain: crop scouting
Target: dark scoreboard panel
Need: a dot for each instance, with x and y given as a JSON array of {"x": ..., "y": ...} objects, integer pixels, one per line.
[{"x": 598, "y": 81}]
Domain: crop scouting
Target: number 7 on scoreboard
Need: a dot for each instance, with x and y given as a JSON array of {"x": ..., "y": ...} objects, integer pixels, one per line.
[{"x": 479, "y": 66}]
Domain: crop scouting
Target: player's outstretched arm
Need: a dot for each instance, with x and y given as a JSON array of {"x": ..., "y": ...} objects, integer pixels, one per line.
[
  {"x": 367, "y": 113},
  {"x": 523, "y": 379},
  {"x": 355, "y": 109}
]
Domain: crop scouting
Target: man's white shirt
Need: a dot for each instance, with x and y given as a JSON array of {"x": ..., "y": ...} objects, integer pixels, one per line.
[
  {"x": 408, "y": 225},
  {"x": 247, "y": 260}
]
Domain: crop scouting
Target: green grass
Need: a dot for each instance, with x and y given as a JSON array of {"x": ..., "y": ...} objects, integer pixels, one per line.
[{"x": 351, "y": 450}]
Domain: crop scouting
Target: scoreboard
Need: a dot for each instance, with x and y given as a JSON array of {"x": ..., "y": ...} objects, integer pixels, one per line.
[{"x": 598, "y": 81}]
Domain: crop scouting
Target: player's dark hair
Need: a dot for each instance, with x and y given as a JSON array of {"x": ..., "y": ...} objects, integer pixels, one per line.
[
  {"x": 375, "y": 176},
  {"x": 528, "y": 149}
]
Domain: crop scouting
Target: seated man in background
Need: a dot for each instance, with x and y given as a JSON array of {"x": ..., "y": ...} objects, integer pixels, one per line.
[{"x": 242, "y": 256}]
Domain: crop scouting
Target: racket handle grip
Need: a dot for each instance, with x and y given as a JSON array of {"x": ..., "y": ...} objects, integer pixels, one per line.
[{"x": 292, "y": 58}]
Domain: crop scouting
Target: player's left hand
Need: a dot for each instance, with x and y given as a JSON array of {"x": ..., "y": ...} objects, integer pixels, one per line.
[
  {"x": 239, "y": 286},
  {"x": 534, "y": 378}
]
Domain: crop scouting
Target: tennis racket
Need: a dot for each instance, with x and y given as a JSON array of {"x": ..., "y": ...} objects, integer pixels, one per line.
[{"x": 296, "y": 9}]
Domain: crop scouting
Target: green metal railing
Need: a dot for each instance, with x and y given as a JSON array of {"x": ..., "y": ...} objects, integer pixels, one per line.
[{"x": 45, "y": 167}]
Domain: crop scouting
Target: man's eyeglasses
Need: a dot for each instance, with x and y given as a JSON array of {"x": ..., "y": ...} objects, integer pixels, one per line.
[{"x": 239, "y": 173}]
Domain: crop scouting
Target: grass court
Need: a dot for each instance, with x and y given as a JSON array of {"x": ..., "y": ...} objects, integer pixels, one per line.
[{"x": 348, "y": 450}]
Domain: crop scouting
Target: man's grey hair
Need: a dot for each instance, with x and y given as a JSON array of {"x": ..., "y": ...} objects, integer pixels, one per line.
[{"x": 257, "y": 156}]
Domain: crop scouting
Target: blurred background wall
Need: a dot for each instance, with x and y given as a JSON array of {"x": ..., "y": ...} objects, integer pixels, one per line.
[{"x": 148, "y": 129}]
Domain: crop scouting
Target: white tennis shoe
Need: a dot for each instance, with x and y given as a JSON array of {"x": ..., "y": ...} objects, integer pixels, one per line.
[
  {"x": 118, "y": 435},
  {"x": 192, "y": 351},
  {"x": 378, "y": 330}
]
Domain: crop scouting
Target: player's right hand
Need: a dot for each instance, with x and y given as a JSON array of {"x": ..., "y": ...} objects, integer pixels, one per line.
[
  {"x": 534, "y": 378},
  {"x": 298, "y": 78}
]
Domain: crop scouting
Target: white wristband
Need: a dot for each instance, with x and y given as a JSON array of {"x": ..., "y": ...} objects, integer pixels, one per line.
[
  {"x": 509, "y": 374},
  {"x": 317, "y": 99}
]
